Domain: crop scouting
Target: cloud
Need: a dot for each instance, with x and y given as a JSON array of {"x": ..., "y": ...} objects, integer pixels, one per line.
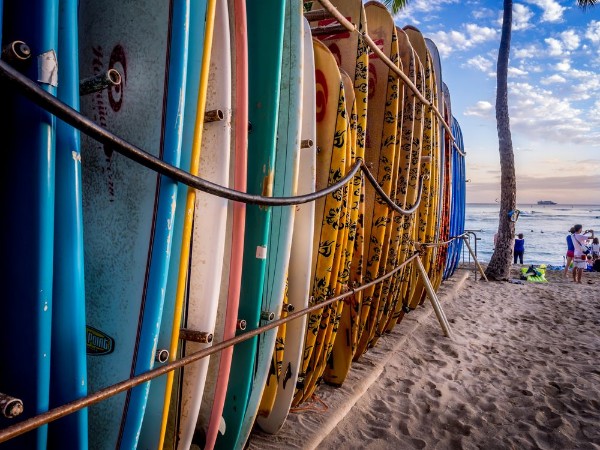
[
  {"x": 530, "y": 51},
  {"x": 415, "y": 8},
  {"x": 567, "y": 42},
  {"x": 593, "y": 31},
  {"x": 555, "y": 47},
  {"x": 453, "y": 40},
  {"x": 552, "y": 10},
  {"x": 480, "y": 63},
  {"x": 516, "y": 72},
  {"x": 586, "y": 84},
  {"x": 553, "y": 79},
  {"x": 483, "y": 13},
  {"x": 480, "y": 109},
  {"x": 570, "y": 39},
  {"x": 521, "y": 17},
  {"x": 540, "y": 114},
  {"x": 563, "y": 66}
]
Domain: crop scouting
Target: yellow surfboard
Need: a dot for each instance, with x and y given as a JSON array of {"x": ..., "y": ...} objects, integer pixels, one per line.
[
  {"x": 331, "y": 143},
  {"x": 383, "y": 122},
  {"x": 332, "y": 313},
  {"x": 409, "y": 172},
  {"x": 422, "y": 232},
  {"x": 351, "y": 52},
  {"x": 342, "y": 317}
]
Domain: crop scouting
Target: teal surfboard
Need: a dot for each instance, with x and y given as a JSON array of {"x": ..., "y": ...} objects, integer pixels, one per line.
[
  {"x": 129, "y": 211},
  {"x": 265, "y": 43},
  {"x": 27, "y": 238},
  {"x": 68, "y": 377},
  {"x": 282, "y": 220}
]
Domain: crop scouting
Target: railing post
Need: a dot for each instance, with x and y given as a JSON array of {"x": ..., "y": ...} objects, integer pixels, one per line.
[
  {"x": 475, "y": 259},
  {"x": 434, "y": 300}
]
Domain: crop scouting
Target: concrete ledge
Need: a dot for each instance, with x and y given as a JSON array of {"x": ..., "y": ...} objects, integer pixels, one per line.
[{"x": 308, "y": 426}]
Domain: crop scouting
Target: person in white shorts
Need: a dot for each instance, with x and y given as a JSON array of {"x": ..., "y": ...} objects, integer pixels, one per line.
[{"x": 580, "y": 242}]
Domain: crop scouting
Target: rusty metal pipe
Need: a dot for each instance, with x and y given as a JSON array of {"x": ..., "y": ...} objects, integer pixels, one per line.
[
  {"x": 306, "y": 143},
  {"x": 100, "y": 82},
  {"x": 319, "y": 14},
  {"x": 202, "y": 337},
  {"x": 64, "y": 410},
  {"x": 214, "y": 115},
  {"x": 10, "y": 406}
]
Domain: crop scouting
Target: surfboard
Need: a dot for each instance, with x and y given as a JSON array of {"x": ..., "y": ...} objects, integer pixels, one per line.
[
  {"x": 153, "y": 427},
  {"x": 351, "y": 200},
  {"x": 68, "y": 375},
  {"x": 447, "y": 208},
  {"x": 403, "y": 223},
  {"x": 391, "y": 256},
  {"x": 381, "y": 144},
  {"x": 272, "y": 416},
  {"x": 452, "y": 169},
  {"x": 435, "y": 196},
  {"x": 128, "y": 210},
  {"x": 441, "y": 225},
  {"x": 422, "y": 230},
  {"x": 406, "y": 283},
  {"x": 265, "y": 43},
  {"x": 285, "y": 184},
  {"x": 459, "y": 191},
  {"x": 352, "y": 57},
  {"x": 218, "y": 377},
  {"x": 208, "y": 238},
  {"x": 331, "y": 137},
  {"x": 28, "y": 192},
  {"x": 339, "y": 278}
]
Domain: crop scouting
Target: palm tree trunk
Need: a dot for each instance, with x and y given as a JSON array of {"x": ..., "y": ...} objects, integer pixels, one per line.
[{"x": 499, "y": 265}]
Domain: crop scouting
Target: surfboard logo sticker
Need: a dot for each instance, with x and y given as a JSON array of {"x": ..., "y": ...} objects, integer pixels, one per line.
[
  {"x": 98, "y": 342},
  {"x": 321, "y": 94}
]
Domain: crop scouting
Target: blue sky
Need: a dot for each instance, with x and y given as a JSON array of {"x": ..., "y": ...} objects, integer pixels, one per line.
[{"x": 554, "y": 92}]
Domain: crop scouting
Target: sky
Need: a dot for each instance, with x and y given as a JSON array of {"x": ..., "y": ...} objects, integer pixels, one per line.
[{"x": 554, "y": 93}]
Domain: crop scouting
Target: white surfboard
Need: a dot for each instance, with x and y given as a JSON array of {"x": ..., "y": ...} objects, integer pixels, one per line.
[{"x": 208, "y": 241}]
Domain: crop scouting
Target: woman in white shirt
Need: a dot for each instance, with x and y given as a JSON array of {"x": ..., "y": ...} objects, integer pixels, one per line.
[{"x": 580, "y": 242}]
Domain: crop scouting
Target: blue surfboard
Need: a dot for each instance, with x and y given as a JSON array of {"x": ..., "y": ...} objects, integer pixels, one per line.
[
  {"x": 27, "y": 198},
  {"x": 68, "y": 377},
  {"x": 188, "y": 82}
]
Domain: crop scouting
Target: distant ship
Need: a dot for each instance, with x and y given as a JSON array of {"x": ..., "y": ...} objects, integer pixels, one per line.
[{"x": 546, "y": 202}]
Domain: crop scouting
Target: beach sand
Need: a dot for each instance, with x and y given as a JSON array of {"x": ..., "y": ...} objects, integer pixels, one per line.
[{"x": 522, "y": 370}]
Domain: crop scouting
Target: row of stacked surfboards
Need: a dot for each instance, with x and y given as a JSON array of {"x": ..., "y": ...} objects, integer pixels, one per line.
[{"x": 113, "y": 270}]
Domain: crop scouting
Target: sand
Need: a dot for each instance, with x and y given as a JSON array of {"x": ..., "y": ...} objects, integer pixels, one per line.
[{"x": 522, "y": 370}]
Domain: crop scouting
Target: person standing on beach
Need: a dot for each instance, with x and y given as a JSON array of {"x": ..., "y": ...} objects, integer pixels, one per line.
[
  {"x": 580, "y": 256},
  {"x": 519, "y": 248},
  {"x": 570, "y": 251},
  {"x": 595, "y": 248}
]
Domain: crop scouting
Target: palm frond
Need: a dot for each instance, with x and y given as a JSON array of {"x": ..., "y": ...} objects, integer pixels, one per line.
[{"x": 397, "y": 5}]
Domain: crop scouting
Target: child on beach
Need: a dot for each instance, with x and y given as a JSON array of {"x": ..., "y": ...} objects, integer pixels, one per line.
[
  {"x": 580, "y": 256},
  {"x": 519, "y": 248},
  {"x": 570, "y": 251}
]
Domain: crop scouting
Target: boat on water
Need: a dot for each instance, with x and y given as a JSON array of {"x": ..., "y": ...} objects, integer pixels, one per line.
[{"x": 546, "y": 202}]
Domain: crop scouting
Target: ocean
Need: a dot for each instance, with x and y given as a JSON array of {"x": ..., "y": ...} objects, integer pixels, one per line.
[{"x": 544, "y": 229}]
